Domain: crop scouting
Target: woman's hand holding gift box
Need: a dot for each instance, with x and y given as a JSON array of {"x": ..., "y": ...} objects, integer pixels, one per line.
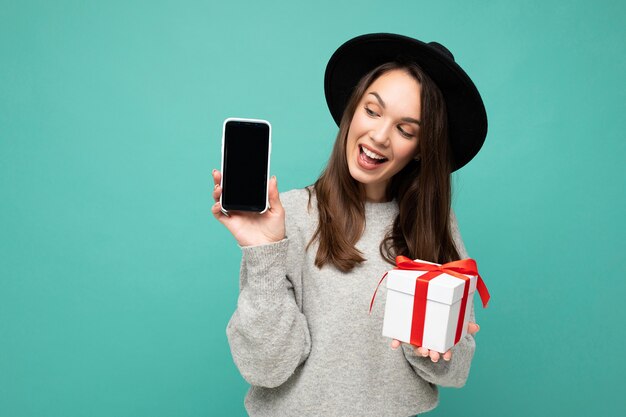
[{"x": 472, "y": 328}]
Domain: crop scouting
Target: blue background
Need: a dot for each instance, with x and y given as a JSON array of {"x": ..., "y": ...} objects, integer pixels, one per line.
[{"x": 116, "y": 283}]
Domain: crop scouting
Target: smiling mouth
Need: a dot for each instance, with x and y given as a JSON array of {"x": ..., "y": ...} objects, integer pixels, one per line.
[{"x": 371, "y": 157}]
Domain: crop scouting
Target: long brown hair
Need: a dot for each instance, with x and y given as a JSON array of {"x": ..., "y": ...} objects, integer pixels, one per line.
[{"x": 422, "y": 189}]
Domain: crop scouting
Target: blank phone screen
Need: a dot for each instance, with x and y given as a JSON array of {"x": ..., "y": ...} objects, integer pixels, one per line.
[{"x": 246, "y": 152}]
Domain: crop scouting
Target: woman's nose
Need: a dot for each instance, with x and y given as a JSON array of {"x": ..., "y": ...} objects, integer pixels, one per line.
[{"x": 380, "y": 134}]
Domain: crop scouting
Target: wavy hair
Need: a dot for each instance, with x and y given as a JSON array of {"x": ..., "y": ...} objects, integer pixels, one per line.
[{"x": 421, "y": 230}]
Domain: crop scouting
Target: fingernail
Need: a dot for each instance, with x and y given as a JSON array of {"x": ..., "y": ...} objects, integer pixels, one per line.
[
  {"x": 216, "y": 185},
  {"x": 432, "y": 360},
  {"x": 446, "y": 359},
  {"x": 214, "y": 170}
]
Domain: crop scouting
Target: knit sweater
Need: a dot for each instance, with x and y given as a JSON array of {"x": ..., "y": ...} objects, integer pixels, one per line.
[{"x": 303, "y": 338}]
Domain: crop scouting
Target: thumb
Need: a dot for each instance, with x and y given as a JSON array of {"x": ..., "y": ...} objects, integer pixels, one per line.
[
  {"x": 472, "y": 328},
  {"x": 273, "y": 194}
]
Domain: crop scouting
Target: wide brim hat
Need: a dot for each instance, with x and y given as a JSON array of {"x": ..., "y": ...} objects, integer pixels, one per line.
[{"x": 467, "y": 118}]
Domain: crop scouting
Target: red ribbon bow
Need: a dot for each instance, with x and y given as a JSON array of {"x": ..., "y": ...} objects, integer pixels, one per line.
[{"x": 457, "y": 269}]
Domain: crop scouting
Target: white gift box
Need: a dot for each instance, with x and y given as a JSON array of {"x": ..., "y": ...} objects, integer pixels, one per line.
[{"x": 443, "y": 305}]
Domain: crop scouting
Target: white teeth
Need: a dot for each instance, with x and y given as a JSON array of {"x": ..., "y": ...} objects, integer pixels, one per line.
[{"x": 371, "y": 154}]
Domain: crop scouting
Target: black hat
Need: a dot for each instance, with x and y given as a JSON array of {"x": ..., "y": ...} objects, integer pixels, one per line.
[{"x": 467, "y": 119}]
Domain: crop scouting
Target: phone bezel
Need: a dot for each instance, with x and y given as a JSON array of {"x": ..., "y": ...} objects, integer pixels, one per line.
[{"x": 269, "y": 151}]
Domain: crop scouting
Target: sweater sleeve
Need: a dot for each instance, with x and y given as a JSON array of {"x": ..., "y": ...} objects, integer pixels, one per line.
[
  {"x": 451, "y": 373},
  {"x": 268, "y": 333}
]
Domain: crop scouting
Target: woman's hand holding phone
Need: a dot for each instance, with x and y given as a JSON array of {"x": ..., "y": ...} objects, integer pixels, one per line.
[{"x": 250, "y": 228}]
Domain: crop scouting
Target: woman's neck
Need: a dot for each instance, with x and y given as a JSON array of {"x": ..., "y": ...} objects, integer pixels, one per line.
[{"x": 376, "y": 193}]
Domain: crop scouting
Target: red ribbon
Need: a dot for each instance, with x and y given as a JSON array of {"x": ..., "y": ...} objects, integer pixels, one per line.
[{"x": 458, "y": 269}]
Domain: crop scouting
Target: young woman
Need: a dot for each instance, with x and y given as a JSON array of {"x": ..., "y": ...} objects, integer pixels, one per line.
[{"x": 408, "y": 116}]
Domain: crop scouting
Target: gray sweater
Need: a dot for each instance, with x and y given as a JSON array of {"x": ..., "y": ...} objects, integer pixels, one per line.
[{"x": 303, "y": 338}]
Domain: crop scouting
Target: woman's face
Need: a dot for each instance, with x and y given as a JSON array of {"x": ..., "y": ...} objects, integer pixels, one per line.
[{"x": 383, "y": 134}]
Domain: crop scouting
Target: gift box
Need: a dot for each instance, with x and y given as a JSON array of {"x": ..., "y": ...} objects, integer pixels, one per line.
[{"x": 429, "y": 304}]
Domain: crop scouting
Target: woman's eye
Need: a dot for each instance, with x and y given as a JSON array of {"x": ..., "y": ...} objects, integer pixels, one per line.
[
  {"x": 370, "y": 112},
  {"x": 404, "y": 133}
]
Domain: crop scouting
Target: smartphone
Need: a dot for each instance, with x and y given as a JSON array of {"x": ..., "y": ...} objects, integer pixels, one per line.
[{"x": 246, "y": 148}]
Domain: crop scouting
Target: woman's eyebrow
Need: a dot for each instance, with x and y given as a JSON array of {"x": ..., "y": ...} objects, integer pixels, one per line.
[
  {"x": 380, "y": 100},
  {"x": 411, "y": 120},
  {"x": 404, "y": 119}
]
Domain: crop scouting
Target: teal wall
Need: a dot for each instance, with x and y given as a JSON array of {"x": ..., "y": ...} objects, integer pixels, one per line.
[{"x": 116, "y": 283}]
